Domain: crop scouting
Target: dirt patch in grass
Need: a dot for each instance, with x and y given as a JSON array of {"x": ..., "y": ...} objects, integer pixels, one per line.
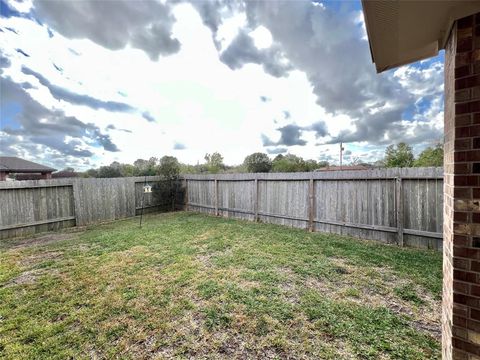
[
  {"x": 43, "y": 240},
  {"x": 204, "y": 236},
  {"x": 206, "y": 258},
  {"x": 40, "y": 257},
  {"x": 30, "y": 277}
]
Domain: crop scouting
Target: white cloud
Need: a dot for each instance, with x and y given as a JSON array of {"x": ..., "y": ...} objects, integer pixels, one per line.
[
  {"x": 262, "y": 37},
  {"x": 199, "y": 102}
]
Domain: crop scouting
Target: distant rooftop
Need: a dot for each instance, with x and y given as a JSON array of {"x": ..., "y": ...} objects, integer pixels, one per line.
[
  {"x": 345, "y": 168},
  {"x": 13, "y": 164}
]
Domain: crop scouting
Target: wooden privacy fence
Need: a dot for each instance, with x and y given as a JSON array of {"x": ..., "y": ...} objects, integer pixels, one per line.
[
  {"x": 28, "y": 207},
  {"x": 402, "y": 206}
]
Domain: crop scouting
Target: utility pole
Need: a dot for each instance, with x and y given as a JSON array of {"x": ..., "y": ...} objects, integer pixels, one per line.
[{"x": 341, "y": 154}]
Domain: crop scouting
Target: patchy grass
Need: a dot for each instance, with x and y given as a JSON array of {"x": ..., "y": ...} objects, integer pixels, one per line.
[{"x": 191, "y": 286}]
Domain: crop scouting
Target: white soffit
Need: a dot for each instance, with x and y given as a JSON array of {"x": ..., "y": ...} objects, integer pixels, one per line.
[{"x": 403, "y": 31}]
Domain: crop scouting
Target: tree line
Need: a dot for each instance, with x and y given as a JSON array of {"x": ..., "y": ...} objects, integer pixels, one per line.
[
  {"x": 214, "y": 163},
  {"x": 399, "y": 155}
]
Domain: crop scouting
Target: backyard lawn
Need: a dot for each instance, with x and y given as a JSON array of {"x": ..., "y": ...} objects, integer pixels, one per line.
[{"x": 187, "y": 285}]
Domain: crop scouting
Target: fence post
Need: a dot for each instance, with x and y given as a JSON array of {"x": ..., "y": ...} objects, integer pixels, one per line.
[
  {"x": 399, "y": 208},
  {"x": 216, "y": 196},
  {"x": 311, "y": 205},
  {"x": 76, "y": 202},
  {"x": 255, "y": 205},
  {"x": 186, "y": 194}
]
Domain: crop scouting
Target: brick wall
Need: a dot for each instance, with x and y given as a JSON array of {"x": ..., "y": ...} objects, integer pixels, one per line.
[{"x": 461, "y": 265}]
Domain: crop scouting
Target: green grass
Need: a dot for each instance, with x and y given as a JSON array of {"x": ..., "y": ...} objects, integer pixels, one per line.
[{"x": 192, "y": 286}]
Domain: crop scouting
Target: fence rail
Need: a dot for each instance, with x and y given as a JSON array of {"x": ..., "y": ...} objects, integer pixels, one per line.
[{"x": 401, "y": 206}]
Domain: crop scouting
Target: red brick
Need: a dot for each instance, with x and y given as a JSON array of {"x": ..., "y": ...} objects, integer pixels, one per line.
[
  {"x": 460, "y": 310},
  {"x": 463, "y": 193},
  {"x": 475, "y": 290},
  {"x": 466, "y": 180},
  {"x": 471, "y": 348},
  {"x": 463, "y": 95},
  {"x": 466, "y": 82},
  {"x": 460, "y": 241},
  {"x": 472, "y": 155},
  {"x": 476, "y": 143},
  {"x": 465, "y": 144},
  {"x": 462, "y": 108},
  {"x": 476, "y": 193},
  {"x": 460, "y": 252},
  {"x": 465, "y": 22},
  {"x": 475, "y": 314},
  {"x": 462, "y": 71},
  {"x": 463, "y": 59},
  {"x": 465, "y": 276},
  {"x": 461, "y": 168},
  {"x": 462, "y": 264},
  {"x": 458, "y": 332},
  {"x": 462, "y": 132},
  {"x": 476, "y": 168},
  {"x": 475, "y": 130},
  {"x": 476, "y": 118},
  {"x": 473, "y": 302},
  {"x": 473, "y": 253},
  {"x": 464, "y": 45},
  {"x": 475, "y": 266},
  {"x": 460, "y": 156},
  {"x": 476, "y": 240},
  {"x": 459, "y": 321},
  {"x": 473, "y": 325},
  {"x": 460, "y": 287},
  {"x": 460, "y": 216},
  {"x": 463, "y": 120},
  {"x": 458, "y": 355}
]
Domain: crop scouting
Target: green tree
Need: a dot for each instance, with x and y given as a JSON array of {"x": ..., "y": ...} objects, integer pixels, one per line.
[
  {"x": 322, "y": 164},
  {"x": 111, "y": 171},
  {"x": 169, "y": 167},
  {"x": 214, "y": 162},
  {"x": 145, "y": 167},
  {"x": 188, "y": 169},
  {"x": 90, "y": 173},
  {"x": 257, "y": 163},
  {"x": 399, "y": 156},
  {"x": 166, "y": 191},
  {"x": 288, "y": 163},
  {"x": 127, "y": 170},
  {"x": 311, "y": 165},
  {"x": 431, "y": 156}
]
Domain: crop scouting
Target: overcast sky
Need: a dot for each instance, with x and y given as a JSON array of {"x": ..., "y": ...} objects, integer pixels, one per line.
[{"x": 85, "y": 83}]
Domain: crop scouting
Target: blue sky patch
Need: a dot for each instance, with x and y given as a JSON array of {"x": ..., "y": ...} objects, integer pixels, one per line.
[{"x": 9, "y": 112}]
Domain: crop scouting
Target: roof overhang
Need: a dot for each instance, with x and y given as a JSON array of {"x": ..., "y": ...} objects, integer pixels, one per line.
[{"x": 402, "y": 31}]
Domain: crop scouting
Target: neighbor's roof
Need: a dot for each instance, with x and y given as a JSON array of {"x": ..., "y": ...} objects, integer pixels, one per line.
[
  {"x": 401, "y": 31},
  {"x": 15, "y": 164},
  {"x": 344, "y": 168}
]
